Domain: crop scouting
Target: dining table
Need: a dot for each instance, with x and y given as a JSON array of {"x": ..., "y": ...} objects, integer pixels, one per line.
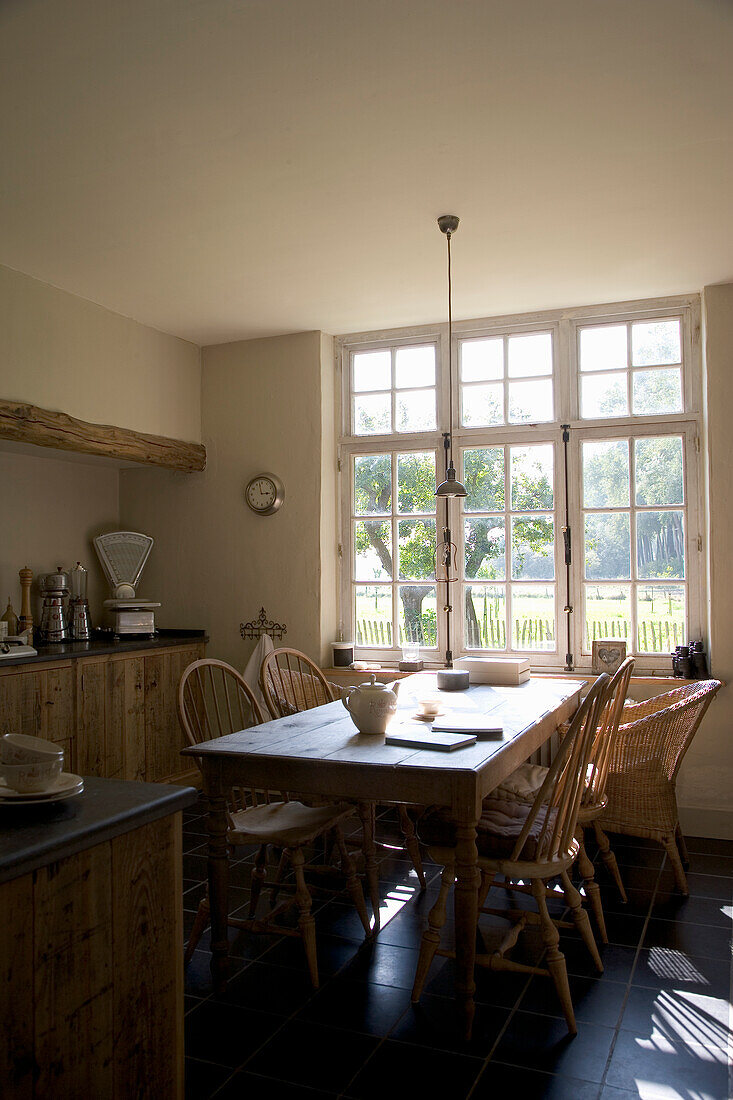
[{"x": 319, "y": 752}]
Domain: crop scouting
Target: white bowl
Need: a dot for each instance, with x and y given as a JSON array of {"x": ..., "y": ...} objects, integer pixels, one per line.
[
  {"x": 38, "y": 776},
  {"x": 20, "y": 748}
]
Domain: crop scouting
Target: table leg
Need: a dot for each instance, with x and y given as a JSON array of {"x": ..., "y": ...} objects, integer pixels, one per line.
[
  {"x": 218, "y": 867},
  {"x": 466, "y": 916},
  {"x": 371, "y": 869}
]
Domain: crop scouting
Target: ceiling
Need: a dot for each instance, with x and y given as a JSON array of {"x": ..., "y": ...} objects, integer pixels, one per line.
[{"x": 227, "y": 169}]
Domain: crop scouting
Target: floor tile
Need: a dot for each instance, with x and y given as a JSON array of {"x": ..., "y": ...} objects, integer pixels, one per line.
[
  {"x": 680, "y": 1014},
  {"x": 671, "y": 905},
  {"x": 618, "y": 960},
  {"x": 266, "y": 988},
  {"x": 226, "y": 1034},
  {"x": 595, "y": 1000},
  {"x": 333, "y": 954},
  {"x": 396, "y": 1068},
  {"x": 543, "y": 1042},
  {"x": 666, "y": 968},
  {"x": 711, "y": 865},
  {"x": 434, "y": 1024},
  {"x": 709, "y": 846},
  {"x": 358, "y": 1006},
  {"x": 197, "y": 979},
  {"x": 203, "y": 1079},
  {"x": 385, "y": 964},
  {"x": 499, "y": 1080},
  {"x": 709, "y": 886},
  {"x": 253, "y": 1087},
  {"x": 309, "y": 1054},
  {"x": 702, "y": 940},
  {"x": 657, "y": 1069},
  {"x": 502, "y": 989}
]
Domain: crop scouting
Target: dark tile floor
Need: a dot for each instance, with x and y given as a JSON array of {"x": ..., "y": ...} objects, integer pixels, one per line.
[{"x": 657, "y": 1024}]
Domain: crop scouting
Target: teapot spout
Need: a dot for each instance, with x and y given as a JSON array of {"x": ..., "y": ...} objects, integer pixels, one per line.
[{"x": 395, "y": 686}]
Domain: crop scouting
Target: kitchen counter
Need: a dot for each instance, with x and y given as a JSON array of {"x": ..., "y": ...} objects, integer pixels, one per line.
[
  {"x": 104, "y": 643},
  {"x": 33, "y": 836}
]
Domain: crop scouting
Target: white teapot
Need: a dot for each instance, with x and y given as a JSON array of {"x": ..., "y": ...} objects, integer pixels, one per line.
[{"x": 372, "y": 705}]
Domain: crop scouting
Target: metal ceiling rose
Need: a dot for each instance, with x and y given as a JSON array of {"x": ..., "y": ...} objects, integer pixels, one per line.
[{"x": 448, "y": 223}]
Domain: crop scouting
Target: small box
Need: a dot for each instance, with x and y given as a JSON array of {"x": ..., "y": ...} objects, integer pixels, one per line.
[{"x": 501, "y": 671}]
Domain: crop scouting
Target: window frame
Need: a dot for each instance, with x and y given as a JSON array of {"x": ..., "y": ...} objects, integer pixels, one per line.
[{"x": 565, "y": 326}]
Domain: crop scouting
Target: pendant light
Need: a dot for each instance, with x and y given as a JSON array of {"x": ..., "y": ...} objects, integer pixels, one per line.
[{"x": 451, "y": 487}]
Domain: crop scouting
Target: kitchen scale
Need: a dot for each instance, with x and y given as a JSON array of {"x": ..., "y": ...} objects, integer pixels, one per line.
[
  {"x": 16, "y": 645},
  {"x": 123, "y": 555}
]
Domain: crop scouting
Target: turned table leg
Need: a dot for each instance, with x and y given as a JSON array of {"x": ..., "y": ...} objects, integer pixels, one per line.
[
  {"x": 218, "y": 867},
  {"x": 466, "y": 917},
  {"x": 371, "y": 869}
]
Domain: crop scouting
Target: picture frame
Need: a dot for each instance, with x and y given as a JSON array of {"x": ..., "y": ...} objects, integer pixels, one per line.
[{"x": 607, "y": 655}]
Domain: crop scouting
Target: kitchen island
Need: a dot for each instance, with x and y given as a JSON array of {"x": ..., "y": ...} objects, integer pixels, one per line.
[{"x": 91, "y": 956}]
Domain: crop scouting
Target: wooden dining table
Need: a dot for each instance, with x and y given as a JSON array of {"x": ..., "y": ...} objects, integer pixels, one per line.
[{"x": 320, "y": 752}]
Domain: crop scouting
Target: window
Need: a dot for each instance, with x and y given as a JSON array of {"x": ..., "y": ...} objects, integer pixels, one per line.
[{"x": 576, "y": 435}]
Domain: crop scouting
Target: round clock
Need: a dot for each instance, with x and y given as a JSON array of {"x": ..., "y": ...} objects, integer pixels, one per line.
[{"x": 264, "y": 494}]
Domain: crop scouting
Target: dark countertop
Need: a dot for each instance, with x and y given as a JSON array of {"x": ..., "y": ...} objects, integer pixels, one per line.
[
  {"x": 105, "y": 643},
  {"x": 33, "y": 836}
]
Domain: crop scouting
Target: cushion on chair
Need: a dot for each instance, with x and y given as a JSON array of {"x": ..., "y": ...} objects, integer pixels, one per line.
[
  {"x": 498, "y": 829},
  {"x": 285, "y": 824},
  {"x": 523, "y": 784}
]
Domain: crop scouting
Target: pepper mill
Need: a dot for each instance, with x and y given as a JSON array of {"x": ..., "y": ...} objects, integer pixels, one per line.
[{"x": 25, "y": 620}]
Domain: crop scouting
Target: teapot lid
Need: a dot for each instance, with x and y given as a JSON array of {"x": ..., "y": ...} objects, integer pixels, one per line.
[{"x": 373, "y": 685}]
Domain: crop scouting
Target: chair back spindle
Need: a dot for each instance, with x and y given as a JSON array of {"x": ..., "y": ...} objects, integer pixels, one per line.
[{"x": 291, "y": 682}]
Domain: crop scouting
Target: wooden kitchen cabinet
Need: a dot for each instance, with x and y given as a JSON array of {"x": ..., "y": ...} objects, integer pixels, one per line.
[{"x": 115, "y": 714}]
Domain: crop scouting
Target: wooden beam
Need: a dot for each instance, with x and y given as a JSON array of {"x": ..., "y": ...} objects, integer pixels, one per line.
[{"x": 44, "y": 428}]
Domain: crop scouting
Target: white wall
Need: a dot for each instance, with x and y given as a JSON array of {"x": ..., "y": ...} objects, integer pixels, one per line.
[
  {"x": 215, "y": 563},
  {"x": 64, "y": 353}
]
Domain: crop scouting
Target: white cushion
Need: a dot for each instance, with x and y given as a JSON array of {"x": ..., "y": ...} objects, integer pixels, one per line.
[{"x": 522, "y": 784}]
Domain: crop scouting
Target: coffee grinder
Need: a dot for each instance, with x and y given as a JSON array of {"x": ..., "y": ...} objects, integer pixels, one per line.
[{"x": 80, "y": 624}]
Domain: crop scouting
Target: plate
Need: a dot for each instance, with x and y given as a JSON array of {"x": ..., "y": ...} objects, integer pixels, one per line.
[
  {"x": 428, "y": 717},
  {"x": 66, "y": 786}
]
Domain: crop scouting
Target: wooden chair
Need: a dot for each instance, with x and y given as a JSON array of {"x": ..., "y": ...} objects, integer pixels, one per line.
[
  {"x": 291, "y": 682},
  {"x": 214, "y": 700},
  {"x": 645, "y": 759},
  {"x": 534, "y": 843}
]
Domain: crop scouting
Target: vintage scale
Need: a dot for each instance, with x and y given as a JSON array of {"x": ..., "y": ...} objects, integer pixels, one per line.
[{"x": 123, "y": 555}]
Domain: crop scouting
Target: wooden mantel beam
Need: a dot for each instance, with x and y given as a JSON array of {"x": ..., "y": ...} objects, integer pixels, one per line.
[{"x": 29, "y": 424}]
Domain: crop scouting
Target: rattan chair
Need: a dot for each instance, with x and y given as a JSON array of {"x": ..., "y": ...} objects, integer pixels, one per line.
[
  {"x": 214, "y": 700},
  {"x": 534, "y": 843},
  {"x": 645, "y": 759},
  {"x": 291, "y": 682}
]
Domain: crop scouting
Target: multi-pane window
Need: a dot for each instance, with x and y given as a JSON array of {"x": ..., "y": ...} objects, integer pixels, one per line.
[
  {"x": 576, "y": 435},
  {"x": 393, "y": 539},
  {"x": 509, "y": 594}
]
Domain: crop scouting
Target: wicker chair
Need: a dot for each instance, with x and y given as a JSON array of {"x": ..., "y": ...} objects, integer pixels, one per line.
[
  {"x": 646, "y": 754},
  {"x": 214, "y": 700},
  {"x": 534, "y": 843},
  {"x": 290, "y": 683}
]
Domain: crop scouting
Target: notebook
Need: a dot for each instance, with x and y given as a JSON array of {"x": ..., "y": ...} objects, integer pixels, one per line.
[
  {"x": 421, "y": 739},
  {"x": 472, "y": 722}
]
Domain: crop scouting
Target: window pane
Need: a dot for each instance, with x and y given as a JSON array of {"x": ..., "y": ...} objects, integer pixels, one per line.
[
  {"x": 482, "y": 406},
  {"x": 659, "y": 470},
  {"x": 607, "y": 612},
  {"x": 532, "y": 477},
  {"x": 603, "y": 348},
  {"x": 660, "y": 544},
  {"x": 657, "y": 391},
  {"x": 655, "y": 342},
  {"x": 603, "y": 395},
  {"x": 530, "y": 355},
  {"x": 418, "y": 615},
  {"x": 483, "y": 476},
  {"x": 373, "y": 615},
  {"x": 530, "y": 402},
  {"x": 416, "y": 482},
  {"x": 484, "y": 546},
  {"x": 607, "y": 546},
  {"x": 415, "y": 410},
  {"x": 660, "y": 616},
  {"x": 414, "y": 367},
  {"x": 373, "y": 415},
  {"x": 485, "y": 611},
  {"x": 533, "y": 616},
  {"x": 417, "y": 549},
  {"x": 606, "y": 474},
  {"x": 372, "y": 370},
  {"x": 533, "y": 548},
  {"x": 482, "y": 359},
  {"x": 372, "y": 550},
  {"x": 372, "y": 485}
]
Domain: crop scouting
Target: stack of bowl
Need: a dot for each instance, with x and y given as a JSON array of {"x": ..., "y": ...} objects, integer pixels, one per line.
[{"x": 30, "y": 764}]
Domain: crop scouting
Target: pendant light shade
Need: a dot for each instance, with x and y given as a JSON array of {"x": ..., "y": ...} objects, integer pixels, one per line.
[{"x": 451, "y": 487}]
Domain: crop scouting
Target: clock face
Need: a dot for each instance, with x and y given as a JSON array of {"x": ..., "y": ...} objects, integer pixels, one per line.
[{"x": 264, "y": 494}]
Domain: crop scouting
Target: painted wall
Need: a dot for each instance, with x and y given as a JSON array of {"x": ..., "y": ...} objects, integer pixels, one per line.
[
  {"x": 706, "y": 777},
  {"x": 215, "y": 563},
  {"x": 51, "y": 507},
  {"x": 64, "y": 353}
]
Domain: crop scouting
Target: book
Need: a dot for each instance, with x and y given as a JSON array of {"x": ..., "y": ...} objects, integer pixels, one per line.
[
  {"x": 474, "y": 722},
  {"x": 443, "y": 742}
]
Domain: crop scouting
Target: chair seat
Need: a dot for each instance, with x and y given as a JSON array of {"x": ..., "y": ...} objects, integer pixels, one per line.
[
  {"x": 497, "y": 832},
  {"x": 285, "y": 824},
  {"x": 523, "y": 784}
]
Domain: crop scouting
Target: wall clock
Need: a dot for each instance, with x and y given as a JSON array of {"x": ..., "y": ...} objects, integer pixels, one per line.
[{"x": 264, "y": 494}]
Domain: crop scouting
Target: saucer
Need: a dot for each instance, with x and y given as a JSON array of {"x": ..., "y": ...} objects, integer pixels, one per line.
[
  {"x": 427, "y": 717},
  {"x": 66, "y": 786}
]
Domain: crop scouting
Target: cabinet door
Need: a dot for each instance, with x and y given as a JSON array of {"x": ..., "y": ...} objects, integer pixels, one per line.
[
  {"x": 91, "y": 679},
  {"x": 164, "y": 737},
  {"x": 40, "y": 702},
  {"x": 124, "y": 718}
]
